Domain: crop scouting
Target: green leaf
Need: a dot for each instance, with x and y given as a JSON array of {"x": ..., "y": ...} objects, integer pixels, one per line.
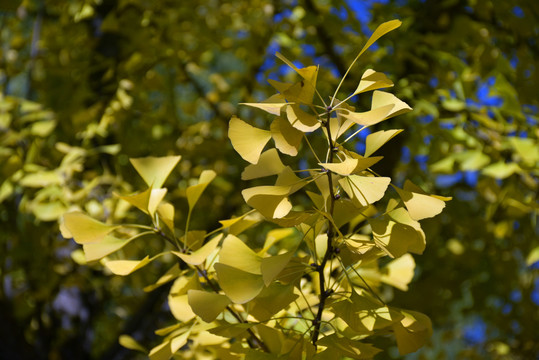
[
  {"x": 193, "y": 192},
  {"x": 271, "y": 300},
  {"x": 240, "y": 286},
  {"x": 364, "y": 190},
  {"x": 501, "y": 170},
  {"x": 85, "y": 229},
  {"x": 247, "y": 140},
  {"x": 268, "y": 164},
  {"x": 207, "y": 305},
  {"x": 155, "y": 170},
  {"x": 376, "y": 140}
]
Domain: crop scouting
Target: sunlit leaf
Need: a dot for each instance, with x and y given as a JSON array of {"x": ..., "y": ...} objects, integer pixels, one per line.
[
  {"x": 372, "y": 80},
  {"x": 84, "y": 228},
  {"x": 97, "y": 250},
  {"x": 161, "y": 352},
  {"x": 236, "y": 253},
  {"x": 268, "y": 164},
  {"x": 155, "y": 170},
  {"x": 177, "y": 342},
  {"x": 273, "y": 104},
  {"x": 399, "y": 272},
  {"x": 376, "y": 140},
  {"x": 247, "y": 140},
  {"x": 381, "y": 99},
  {"x": 193, "y": 192},
  {"x": 238, "y": 225},
  {"x": 207, "y": 305},
  {"x": 501, "y": 170},
  {"x": 165, "y": 211},
  {"x": 287, "y": 138},
  {"x": 180, "y": 308},
  {"x": 345, "y": 167},
  {"x": 301, "y": 120},
  {"x": 419, "y": 204},
  {"x": 368, "y": 118},
  {"x": 147, "y": 201},
  {"x": 240, "y": 286},
  {"x": 199, "y": 256},
  {"x": 380, "y": 31},
  {"x": 270, "y": 201},
  {"x": 533, "y": 256},
  {"x": 126, "y": 267},
  {"x": 364, "y": 190},
  {"x": 42, "y": 179}
]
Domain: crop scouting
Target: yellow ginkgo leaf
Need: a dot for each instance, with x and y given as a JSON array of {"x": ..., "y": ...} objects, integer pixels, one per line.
[
  {"x": 268, "y": 164},
  {"x": 381, "y": 99},
  {"x": 180, "y": 308},
  {"x": 199, "y": 256},
  {"x": 240, "y": 286},
  {"x": 376, "y": 140},
  {"x": 193, "y": 192},
  {"x": 165, "y": 211},
  {"x": 399, "y": 272},
  {"x": 177, "y": 342},
  {"x": 129, "y": 343},
  {"x": 270, "y": 201},
  {"x": 273, "y": 104},
  {"x": 247, "y": 140},
  {"x": 419, "y": 205},
  {"x": 273, "y": 265},
  {"x": 345, "y": 167},
  {"x": 309, "y": 73},
  {"x": 380, "y": 31},
  {"x": 287, "y": 138},
  {"x": 97, "y": 250},
  {"x": 147, "y": 201},
  {"x": 301, "y": 120},
  {"x": 207, "y": 305},
  {"x": 364, "y": 190},
  {"x": 368, "y": 118},
  {"x": 271, "y": 300},
  {"x": 238, "y": 225},
  {"x": 161, "y": 352},
  {"x": 85, "y": 229},
  {"x": 275, "y": 235},
  {"x": 372, "y": 80},
  {"x": 155, "y": 170},
  {"x": 236, "y": 253},
  {"x": 126, "y": 267},
  {"x": 412, "y": 332}
]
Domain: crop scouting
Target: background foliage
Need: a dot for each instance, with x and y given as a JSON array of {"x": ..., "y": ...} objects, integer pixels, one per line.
[{"x": 88, "y": 84}]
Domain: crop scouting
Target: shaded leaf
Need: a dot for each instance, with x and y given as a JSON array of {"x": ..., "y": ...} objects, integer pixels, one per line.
[
  {"x": 271, "y": 201},
  {"x": 287, "y": 138},
  {"x": 273, "y": 265},
  {"x": 268, "y": 164},
  {"x": 240, "y": 286},
  {"x": 193, "y": 192},
  {"x": 129, "y": 343},
  {"x": 236, "y": 253},
  {"x": 200, "y": 255},
  {"x": 207, "y": 305},
  {"x": 412, "y": 332}
]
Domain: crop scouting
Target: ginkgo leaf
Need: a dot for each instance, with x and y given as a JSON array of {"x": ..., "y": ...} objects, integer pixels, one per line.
[
  {"x": 345, "y": 167},
  {"x": 287, "y": 138},
  {"x": 273, "y": 265},
  {"x": 301, "y": 120},
  {"x": 345, "y": 347},
  {"x": 84, "y": 228},
  {"x": 271, "y": 300},
  {"x": 129, "y": 343},
  {"x": 97, "y": 250},
  {"x": 247, "y": 140},
  {"x": 147, "y": 201},
  {"x": 180, "y": 308},
  {"x": 309, "y": 73},
  {"x": 368, "y": 118},
  {"x": 276, "y": 235},
  {"x": 240, "y": 286},
  {"x": 381, "y": 99},
  {"x": 412, "y": 332},
  {"x": 380, "y": 31},
  {"x": 364, "y": 190},
  {"x": 268, "y": 164},
  {"x": 172, "y": 274},
  {"x": 207, "y": 305},
  {"x": 231, "y": 330},
  {"x": 399, "y": 272},
  {"x": 177, "y": 342},
  {"x": 288, "y": 178},
  {"x": 340, "y": 124},
  {"x": 161, "y": 352},
  {"x": 199, "y": 256},
  {"x": 155, "y": 170},
  {"x": 126, "y": 267},
  {"x": 301, "y": 92},
  {"x": 238, "y": 225},
  {"x": 236, "y": 253},
  {"x": 419, "y": 205},
  {"x": 165, "y": 211},
  {"x": 376, "y": 140},
  {"x": 273, "y": 104},
  {"x": 372, "y": 80},
  {"x": 270, "y": 201},
  {"x": 193, "y": 192}
]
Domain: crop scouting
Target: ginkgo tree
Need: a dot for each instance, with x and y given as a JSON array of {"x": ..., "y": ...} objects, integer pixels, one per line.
[{"x": 312, "y": 290}]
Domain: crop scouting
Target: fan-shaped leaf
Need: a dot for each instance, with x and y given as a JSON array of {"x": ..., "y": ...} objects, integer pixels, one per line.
[
  {"x": 270, "y": 201},
  {"x": 376, "y": 140},
  {"x": 240, "y": 286},
  {"x": 399, "y": 272},
  {"x": 85, "y": 229},
  {"x": 301, "y": 120},
  {"x": 247, "y": 140},
  {"x": 372, "y": 80},
  {"x": 193, "y": 192},
  {"x": 273, "y": 265},
  {"x": 235, "y": 253},
  {"x": 268, "y": 164},
  {"x": 364, "y": 190},
  {"x": 97, "y": 250},
  {"x": 155, "y": 170},
  {"x": 381, "y": 99},
  {"x": 199, "y": 256},
  {"x": 126, "y": 267},
  {"x": 147, "y": 201},
  {"x": 273, "y": 104},
  {"x": 207, "y": 305},
  {"x": 412, "y": 332},
  {"x": 287, "y": 138}
]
